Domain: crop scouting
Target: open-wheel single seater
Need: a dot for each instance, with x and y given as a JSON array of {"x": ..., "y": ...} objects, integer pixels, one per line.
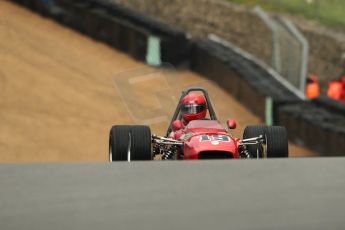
[{"x": 199, "y": 139}]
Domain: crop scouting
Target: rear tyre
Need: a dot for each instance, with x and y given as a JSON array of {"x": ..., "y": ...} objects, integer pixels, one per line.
[
  {"x": 140, "y": 143},
  {"x": 119, "y": 142},
  {"x": 277, "y": 142},
  {"x": 255, "y": 151}
]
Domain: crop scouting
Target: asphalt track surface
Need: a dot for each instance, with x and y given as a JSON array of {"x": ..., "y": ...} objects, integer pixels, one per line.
[
  {"x": 60, "y": 92},
  {"x": 288, "y": 194}
]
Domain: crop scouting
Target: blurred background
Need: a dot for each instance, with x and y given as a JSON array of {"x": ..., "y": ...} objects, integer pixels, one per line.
[{"x": 72, "y": 69}]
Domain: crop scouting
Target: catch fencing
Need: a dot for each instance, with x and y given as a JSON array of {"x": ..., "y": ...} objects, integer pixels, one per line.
[{"x": 290, "y": 51}]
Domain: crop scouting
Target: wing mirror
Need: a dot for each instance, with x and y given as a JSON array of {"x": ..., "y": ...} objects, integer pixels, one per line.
[
  {"x": 231, "y": 124},
  {"x": 177, "y": 125}
]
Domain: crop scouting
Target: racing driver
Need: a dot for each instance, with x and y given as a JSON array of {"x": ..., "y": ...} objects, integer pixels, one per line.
[{"x": 193, "y": 107}]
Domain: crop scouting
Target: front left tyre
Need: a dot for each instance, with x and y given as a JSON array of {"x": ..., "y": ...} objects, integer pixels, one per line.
[
  {"x": 130, "y": 143},
  {"x": 275, "y": 141}
]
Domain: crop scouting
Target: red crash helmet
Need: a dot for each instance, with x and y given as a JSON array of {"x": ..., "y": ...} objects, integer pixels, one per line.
[{"x": 193, "y": 107}]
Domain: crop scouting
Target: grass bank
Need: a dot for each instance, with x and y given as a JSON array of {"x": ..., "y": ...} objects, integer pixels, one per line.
[{"x": 328, "y": 12}]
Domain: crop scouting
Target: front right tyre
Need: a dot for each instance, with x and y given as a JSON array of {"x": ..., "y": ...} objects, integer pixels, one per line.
[
  {"x": 277, "y": 142},
  {"x": 119, "y": 142}
]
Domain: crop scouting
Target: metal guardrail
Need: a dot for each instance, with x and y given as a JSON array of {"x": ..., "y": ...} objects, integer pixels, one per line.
[{"x": 260, "y": 63}]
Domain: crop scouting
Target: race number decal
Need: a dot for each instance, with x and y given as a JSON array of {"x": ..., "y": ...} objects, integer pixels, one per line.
[{"x": 220, "y": 138}]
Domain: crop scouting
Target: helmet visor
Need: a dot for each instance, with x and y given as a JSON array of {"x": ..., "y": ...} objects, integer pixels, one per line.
[{"x": 192, "y": 108}]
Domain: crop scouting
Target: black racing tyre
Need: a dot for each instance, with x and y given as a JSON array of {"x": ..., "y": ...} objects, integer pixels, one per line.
[
  {"x": 251, "y": 132},
  {"x": 277, "y": 142},
  {"x": 119, "y": 142},
  {"x": 140, "y": 143}
]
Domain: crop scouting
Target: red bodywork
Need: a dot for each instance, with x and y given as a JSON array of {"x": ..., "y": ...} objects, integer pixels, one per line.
[{"x": 206, "y": 139}]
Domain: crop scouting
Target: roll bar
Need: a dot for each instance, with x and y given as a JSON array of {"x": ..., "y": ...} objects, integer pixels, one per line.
[{"x": 177, "y": 114}]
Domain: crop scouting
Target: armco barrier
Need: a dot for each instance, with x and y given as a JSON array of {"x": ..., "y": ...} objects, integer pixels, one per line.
[
  {"x": 314, "y": 127},
  {"x": 250, "y": 84},
  {"x": 118, "y": 33},
  {"x": 27, "y": 3},
  {"x": 214, "y": 64},
  {"x": 142, "y": 37},
  {"x": 104, "y": 20},
  {"x": 44, "y": 7},
  {"x": 75, "y": 15},
  {"x": 330, "y": 105},
  {"x": 98, "y": 24},
  {"x": 319, "y": 125}
]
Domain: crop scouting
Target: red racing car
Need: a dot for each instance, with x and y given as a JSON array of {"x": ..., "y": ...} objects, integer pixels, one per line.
[{"x": 202, "y": 138}]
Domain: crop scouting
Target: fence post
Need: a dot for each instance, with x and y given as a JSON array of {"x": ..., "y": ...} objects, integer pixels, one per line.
[
  {"x": 269, "y": 111},
  {"x": 153, "y": 55}
]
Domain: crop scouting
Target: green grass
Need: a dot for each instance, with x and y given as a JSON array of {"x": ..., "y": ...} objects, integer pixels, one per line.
[{"x": 328, "y": 12}]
